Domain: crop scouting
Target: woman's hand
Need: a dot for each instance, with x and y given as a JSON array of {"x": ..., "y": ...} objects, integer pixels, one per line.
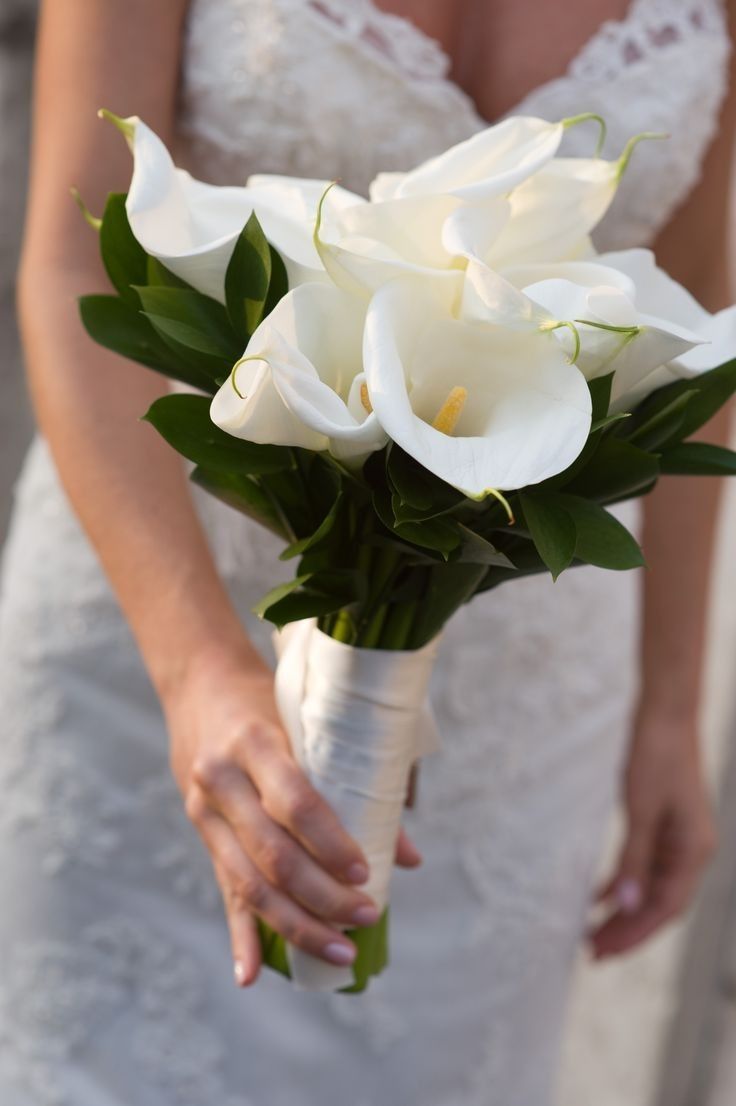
[
  {"x": 278, "y": 849},
  {"x": 670, "y": 834}
]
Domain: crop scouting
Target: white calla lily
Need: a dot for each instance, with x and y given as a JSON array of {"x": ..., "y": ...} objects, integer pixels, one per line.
[
  {"x": 296, "y": 384},
  {"x": 192, "y": 227},
  {"x": 550, "y": 215},
  {"x": 371, "y": 243},
  {"x": 661, "y": 296},
  {"x": 501, "y": 198},
  {"x": 613, "y": 333},
  {"x": 482, "y": 407},
  {"x": 490, "y": 163}
]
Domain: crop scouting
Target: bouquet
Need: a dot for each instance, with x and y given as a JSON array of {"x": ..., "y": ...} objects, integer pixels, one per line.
[{"x": 425, "y": 395}]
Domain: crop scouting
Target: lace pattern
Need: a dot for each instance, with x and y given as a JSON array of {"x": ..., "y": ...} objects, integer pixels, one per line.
[{"x": 58, "y": 996}]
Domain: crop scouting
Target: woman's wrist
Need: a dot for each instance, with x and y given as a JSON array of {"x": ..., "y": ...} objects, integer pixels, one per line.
[
  {"x": 669, "y": 720},
  {"x": 199, "y": 641}
]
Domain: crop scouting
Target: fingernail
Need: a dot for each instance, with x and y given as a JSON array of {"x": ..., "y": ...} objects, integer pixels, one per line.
[
  {"x": 239, "y": 973},
  {"x": 366, "y": 915},
  {"x": 340, "y": 954},
  {"x": 358, "y": 873},
  {"x": 629, "y": 895}
]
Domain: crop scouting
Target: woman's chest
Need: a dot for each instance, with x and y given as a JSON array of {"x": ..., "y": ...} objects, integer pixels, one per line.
[{"x": 500, "y": 50}]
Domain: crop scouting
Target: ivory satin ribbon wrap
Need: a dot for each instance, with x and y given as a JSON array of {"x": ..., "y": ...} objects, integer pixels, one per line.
[{"x": 357, "y": 719}]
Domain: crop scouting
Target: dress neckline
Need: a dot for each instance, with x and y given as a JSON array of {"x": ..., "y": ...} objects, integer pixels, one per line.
[{"x": 438, "y": 63}]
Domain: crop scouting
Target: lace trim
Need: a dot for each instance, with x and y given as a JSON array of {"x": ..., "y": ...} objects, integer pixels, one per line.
[
  {"x": 388, "y": 36},
  {"x": 649, "y": 27}
]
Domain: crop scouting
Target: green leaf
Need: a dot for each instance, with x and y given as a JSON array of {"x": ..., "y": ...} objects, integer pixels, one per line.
[
  {"x": 294, "y": 601},
  {"x": 450, "y": 586},
  {"x": 617, "y": 470},
  {"x": 123, "y": 257},
  {"x": 418, "y": 489},
  {"x": 713, "y": 391},
  {"x": 279, "y": 283},
  {"x": 298, "y": 548},
  {"x": 478, "y": 551},
  {"x": 552, "y": 530},
  {"x": 156, "y": 273},
  {"x": 698, "y": 459},
  {"x": 609, "y": 420},
  {"x": 709, "y": 392},
  {"x": 192, "y": 321},
  {"x": 281, "y": 591},
  {"x": 117, "y": 325},
  {"x": 601, "y": 539},
  {"x": 600, "y": 395},
  {"x": 440, "y": 534},
  {"x": 243, "y": 494},
  {"x": 663, "y": 423},
  {"x": 247, "y": 280},
  {"x": 184, "y": 421}
]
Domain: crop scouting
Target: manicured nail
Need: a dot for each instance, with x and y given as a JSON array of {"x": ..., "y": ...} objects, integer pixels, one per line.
[
  {"x": 358, "y": 872},
  {"x": 239, "y": 973},
  {"x": 629, "y": 895},
  {"x": 366, "y": 915},
  {"x": 340, "y": 954}
]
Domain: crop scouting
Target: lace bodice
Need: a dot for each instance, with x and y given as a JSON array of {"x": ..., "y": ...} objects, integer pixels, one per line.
[{"x": 339, "y": 88}]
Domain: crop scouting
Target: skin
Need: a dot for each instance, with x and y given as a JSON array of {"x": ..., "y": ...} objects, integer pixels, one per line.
[{"x": 277, "y": 849}]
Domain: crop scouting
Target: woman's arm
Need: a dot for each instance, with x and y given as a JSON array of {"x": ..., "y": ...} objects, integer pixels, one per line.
[
  {"x": 278, "y": 849},
  {"x": 670, "y": 831}
]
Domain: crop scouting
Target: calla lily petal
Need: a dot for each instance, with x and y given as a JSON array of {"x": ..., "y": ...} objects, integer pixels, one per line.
[
  {"x": 249, "y": 406},
  {"x": 489, "y": 163},
  {"x": 490, "y": 298},
  {"x": 192, "y": 227},
  {"x": 527, "y": 414},
  {"x": 472, "y": 230},
  {"x": 311, "y": 343},
  {"x": 553, "y": 213},
  {"x": 375, "y": 243},
  {"x": 659, "y": 295},
  {"x": 613, "y": 333}
]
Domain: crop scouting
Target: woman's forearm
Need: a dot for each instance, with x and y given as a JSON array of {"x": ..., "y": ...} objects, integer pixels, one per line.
[
  {"x": 127, "y": 486},
  {"x": 680, "y": 519}
]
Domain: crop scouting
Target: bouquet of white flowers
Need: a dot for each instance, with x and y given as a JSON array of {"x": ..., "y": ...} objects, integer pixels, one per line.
[{"x": 424, "y": 394}]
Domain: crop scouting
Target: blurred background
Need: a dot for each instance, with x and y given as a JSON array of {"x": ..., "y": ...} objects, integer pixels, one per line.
[{"x": 655, "y": 1029}]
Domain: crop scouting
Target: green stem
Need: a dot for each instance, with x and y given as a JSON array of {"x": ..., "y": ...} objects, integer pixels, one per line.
[
  {"x": 398, "y": 626},
  {"x": 371, "y": 635},
  {"x": 344, "y": 628}
]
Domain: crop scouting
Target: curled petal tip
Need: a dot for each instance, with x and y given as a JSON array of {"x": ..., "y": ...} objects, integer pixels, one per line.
[
  {"x": 125, "y": 126},
  {"x": 623, "y": 162},
  {"x": 90, "y": 219},
  {"x": 587, "y": 117}
]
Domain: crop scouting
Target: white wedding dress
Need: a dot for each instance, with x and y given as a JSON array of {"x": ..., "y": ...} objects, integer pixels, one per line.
[{"x": 116, "y": 982}]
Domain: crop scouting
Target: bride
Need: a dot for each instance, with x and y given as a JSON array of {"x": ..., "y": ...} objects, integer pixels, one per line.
[{"x": 116, "y": 980}]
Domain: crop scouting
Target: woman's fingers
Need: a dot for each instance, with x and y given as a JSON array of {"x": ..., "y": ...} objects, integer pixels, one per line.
[
  {"x": 244, "y": 940},
  {"x": 246, "y": 892},
  {"x": 289, "y": 799},
  {"x": 656, "y": 878},
  {"x": 282, "y": 860},
  {"x": 629, "y": 887}
]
